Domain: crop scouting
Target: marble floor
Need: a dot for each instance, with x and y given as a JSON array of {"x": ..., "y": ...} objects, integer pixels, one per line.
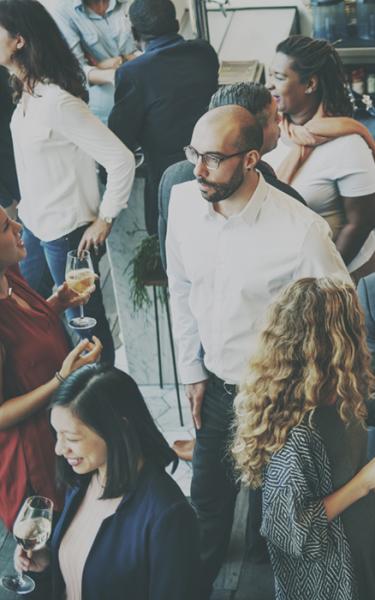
[{"x": 162, "y": 404}]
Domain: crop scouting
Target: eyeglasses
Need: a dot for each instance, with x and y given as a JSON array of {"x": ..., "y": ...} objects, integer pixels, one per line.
[{"x": 210, "y": 159}]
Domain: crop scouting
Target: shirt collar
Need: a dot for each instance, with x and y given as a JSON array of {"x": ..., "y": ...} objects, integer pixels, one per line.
[
  {"x": 162, "y": 40},
  {"x": 250, "y": 212}
]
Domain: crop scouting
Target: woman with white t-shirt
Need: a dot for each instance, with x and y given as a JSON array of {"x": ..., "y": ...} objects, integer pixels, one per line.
[
  {"x": 325, "y": 154},
  {"x": 56, "y": 143}
]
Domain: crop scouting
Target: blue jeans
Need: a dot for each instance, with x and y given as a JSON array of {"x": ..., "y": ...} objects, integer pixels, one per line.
[{"x": 45, "y": 259}]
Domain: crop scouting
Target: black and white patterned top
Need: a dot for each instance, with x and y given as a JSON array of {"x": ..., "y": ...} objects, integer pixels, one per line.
[{"x": 311, "y": 557}]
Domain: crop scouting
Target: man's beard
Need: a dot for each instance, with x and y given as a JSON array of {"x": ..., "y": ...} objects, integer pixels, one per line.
[{"x": 222, "y": 191}]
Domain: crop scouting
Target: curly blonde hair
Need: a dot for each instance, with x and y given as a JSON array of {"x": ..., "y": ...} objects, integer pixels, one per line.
[{"x": 312, "y": 352}]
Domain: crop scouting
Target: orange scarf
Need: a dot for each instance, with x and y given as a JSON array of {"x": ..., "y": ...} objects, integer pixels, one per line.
[{"x": 319, "y": 130}]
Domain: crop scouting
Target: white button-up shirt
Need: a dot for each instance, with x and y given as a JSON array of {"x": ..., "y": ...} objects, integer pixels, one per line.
[
  {"x": 56, "y": 143},
  {"x": 224, "y": 273}
]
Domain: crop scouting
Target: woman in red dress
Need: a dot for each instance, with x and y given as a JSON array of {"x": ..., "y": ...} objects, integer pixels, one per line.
[{"x": 34, "y": 358}]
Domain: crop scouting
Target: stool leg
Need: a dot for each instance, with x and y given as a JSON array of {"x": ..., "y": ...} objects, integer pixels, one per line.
[
  {"x": 165, "y": 291},
  {"x": 158, "y": 335}
]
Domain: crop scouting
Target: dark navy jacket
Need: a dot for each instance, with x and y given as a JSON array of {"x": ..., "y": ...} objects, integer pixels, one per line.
[
  {"x": 9, "y": 190},
  {"x": 158, "y": 99},
  {"x": 147, "y": 550}
]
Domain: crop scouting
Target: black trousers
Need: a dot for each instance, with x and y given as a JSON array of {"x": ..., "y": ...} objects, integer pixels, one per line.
[{"x": 214, "y": 488}]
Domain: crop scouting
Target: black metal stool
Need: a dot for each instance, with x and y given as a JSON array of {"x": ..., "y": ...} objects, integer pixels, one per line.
[{"x": 163, "y": 285}]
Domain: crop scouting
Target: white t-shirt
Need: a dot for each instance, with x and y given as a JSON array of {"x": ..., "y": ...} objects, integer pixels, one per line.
[{"x": 343, "y": 167}]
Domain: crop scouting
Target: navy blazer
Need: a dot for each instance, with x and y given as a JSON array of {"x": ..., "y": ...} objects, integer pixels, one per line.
[
  {"x": 159, "y": 97},
  {"x": 146, "y": 550}
]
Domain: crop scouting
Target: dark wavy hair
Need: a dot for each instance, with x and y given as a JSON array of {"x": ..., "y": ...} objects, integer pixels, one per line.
[
  {"x": 46, "y": 54},
  {"x": 109, "y": 402},
  {"x": 319, "y": 57}
]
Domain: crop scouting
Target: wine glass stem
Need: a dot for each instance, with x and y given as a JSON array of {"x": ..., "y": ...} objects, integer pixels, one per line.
[
  {"x": 81, "y": 311},
  {"x": 21, "y": 577}
]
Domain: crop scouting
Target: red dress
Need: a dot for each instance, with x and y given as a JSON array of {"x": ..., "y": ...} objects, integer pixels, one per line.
[{"x": 35, "y": 347}]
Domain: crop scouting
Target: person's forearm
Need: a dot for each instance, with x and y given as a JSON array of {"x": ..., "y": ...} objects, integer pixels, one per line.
[
  {"x": 101, "y": 76},
  {"x": 344, "y": 497},
  {"x": 350, "y": 240},
  {"x": 16, "y": 409}
]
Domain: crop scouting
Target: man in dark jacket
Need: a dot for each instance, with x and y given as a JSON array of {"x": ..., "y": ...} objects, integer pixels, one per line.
[
  {"x": 9, "y": 192},
  {"x": 161, "y": 94}
]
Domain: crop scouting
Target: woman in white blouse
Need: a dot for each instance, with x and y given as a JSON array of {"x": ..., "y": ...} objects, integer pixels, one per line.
[{"x": 56, "y": 142}]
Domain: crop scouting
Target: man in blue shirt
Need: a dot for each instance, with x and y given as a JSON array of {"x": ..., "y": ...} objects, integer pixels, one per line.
[
  {"x": 98, "y": 33},
  {"x": 160, "y": 95}
]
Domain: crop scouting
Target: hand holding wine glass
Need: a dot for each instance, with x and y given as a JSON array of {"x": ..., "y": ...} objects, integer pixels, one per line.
[
  {"x": 31, "y": 530},
  {"x": 67, "y": 297}
]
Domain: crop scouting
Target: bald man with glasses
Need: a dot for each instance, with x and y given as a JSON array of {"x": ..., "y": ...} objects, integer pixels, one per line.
[{"x": 233, "y": 242}]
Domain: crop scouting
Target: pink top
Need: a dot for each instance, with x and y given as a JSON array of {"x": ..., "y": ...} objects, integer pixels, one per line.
[{"x": 80, "y": 536}]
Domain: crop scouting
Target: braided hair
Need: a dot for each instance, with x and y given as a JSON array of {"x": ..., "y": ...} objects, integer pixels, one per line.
[{"x": 319, "y": 57}]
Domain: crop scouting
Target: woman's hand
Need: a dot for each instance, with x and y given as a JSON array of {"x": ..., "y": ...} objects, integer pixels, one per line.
[
  {"x": 95, "y": 235},
  {"x": 366, "y": 477},
  {"x": 110, "y": 63},
  {"x": 65, "y": 297},
  {"x": 75, "y": 359},
  {"x": 36, "y": 561}
]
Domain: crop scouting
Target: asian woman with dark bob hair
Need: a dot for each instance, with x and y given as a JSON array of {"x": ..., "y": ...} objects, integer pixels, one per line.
[{"x": 126, "y": 530}]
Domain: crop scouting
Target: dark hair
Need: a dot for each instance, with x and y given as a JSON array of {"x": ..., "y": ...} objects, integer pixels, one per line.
[
  {"x": 255, "y": 97},
  {"x": 109, "y": 402},
  {"x": 152, "y": 18},
  {"x": 46, "y": 54},
  {"x": 319, "y": 57}
]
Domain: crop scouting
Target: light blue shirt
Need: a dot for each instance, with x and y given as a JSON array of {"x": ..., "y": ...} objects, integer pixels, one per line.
[{"x": 100, "y": 37}]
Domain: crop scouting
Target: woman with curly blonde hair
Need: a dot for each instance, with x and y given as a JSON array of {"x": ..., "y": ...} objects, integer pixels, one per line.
[{"x": 300, "y": 433}]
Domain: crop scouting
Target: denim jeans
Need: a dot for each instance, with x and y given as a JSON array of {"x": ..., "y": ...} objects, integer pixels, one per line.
[{"x": 50, "y": 257}]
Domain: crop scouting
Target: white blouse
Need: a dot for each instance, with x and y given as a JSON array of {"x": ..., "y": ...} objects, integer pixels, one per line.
[{"x": 56, "y": 143}]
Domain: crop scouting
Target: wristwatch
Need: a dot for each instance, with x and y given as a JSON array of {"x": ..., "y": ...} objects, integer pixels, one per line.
[{"x": 108, "y": 220}]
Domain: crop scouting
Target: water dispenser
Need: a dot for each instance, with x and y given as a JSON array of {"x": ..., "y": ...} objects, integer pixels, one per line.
[{"x": 329, "y": 19}]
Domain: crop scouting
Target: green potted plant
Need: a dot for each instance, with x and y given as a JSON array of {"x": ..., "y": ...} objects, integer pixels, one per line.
[{"x": 146, "y": 269}]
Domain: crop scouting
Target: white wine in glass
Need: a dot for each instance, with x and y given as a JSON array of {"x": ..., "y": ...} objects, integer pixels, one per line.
[
  {"x": 31, "y": 530},
  {"x": 80, "y": 276}
]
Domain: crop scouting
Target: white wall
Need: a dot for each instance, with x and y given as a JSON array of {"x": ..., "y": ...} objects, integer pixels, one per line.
[
  {"x": 181, "y": 6},
  {"x": 302, "y": 5}
]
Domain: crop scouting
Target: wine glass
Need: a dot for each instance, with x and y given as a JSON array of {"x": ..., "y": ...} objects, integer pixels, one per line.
[
  {"x": 80, "y": 276},
  {"x": 31, "y": 530}
]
